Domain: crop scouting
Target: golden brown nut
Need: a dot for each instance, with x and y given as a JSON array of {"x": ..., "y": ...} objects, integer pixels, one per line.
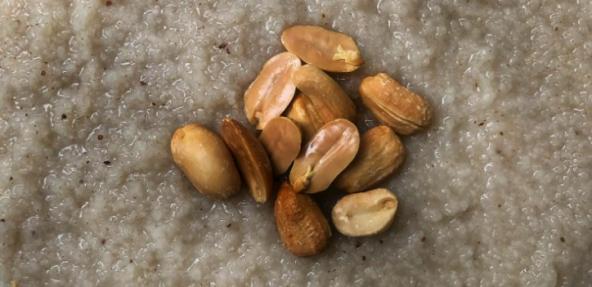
[
  {"x": 365, "y": 213},
  {"x": 252, "y": 159},
  {"x": 329, "y": 50},
  {"x": 328, "y": 153},
  {"x": 272, "y": 91},
  {"x": 381, "y": 153},
  {"x": 394, "y": 105},
  {"x": 300, "y": 223},
  {"x": 282, "y": 140},
  {"x": 322, "y": 99},
  {"x": 304, "y": 115},
  {"x": 205, "y": 160}
]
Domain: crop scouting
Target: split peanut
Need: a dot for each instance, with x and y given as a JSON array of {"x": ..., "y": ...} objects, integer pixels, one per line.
[
  {"x": 328, "y": 153},
  {"x": 329, "y": 50},
  {"x": 272, "y": 91},
  {"x": 365, "y": 213},
  {"x": 281, "y": 138}
]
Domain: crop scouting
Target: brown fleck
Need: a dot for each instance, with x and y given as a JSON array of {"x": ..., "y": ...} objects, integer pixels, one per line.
[
  {"x": 323, "y": 15},
  {"x": 562, "y": 239},
  {"x": 358, "y": 244},
  {"x": 481, "y": 123},
  {"x": 380, "y": 241},
  {"x": 228, "y": 225},
  {"x": 363, "y": 258},
  {"x": 100, "y": 137},
  {"x": 423, "y": 239},
  {"x": 131, "y": 260},
  {"x": 107, "y": 162},
  {"x": 103, "y": 241},
  {"x": 143, "y": 83},
  {"x": 11, "y": 178},
  {"x": 2, "y": 220},
  {"x": 64, "y": 116},
  {"x": 501, "y": 133},
  {"x": 43, "y": 73},
  {"x": 109, "y": 3}
]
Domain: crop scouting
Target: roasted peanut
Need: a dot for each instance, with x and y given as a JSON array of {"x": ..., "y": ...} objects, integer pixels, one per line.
[
  {"x": 394, "y": 105},
  {"x": 328, "y": 153},
  {"x": 329, "y": 50},
  {"x": 381, "y": 153},
  {"x": 282, "y": 140},
  {"x": 205, "y": 160},
  {"x": 365, "y": 213},
  {"x": 252, "y": 159},
  {"x": 272, "y": 91},
  {"x": 300, "y": 223}
]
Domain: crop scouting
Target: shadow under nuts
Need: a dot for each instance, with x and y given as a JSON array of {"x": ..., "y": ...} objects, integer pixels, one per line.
[
  {"x": 302, "y": 226},
  {"x": 282, "y": 140},
  {"x": 272, "y": 91},
  {"x": 252, "y": 159},
  {"x": 365, "y": 213},
  {"x": 205, "y": 160},
  {"x": 329, "y": 152},
  {"x": 394, "y": 105},
  {"x": 381, "y": 153},
  {"x": 329, "y": 50}
]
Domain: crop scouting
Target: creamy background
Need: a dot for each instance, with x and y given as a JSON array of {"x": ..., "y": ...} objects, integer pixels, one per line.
[{"x": 497, "y": 193}]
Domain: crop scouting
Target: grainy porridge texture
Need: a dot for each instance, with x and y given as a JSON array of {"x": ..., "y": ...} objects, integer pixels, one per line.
[{"x": 498, "y": 192}]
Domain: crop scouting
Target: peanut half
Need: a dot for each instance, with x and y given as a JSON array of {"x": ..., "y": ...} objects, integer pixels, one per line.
[
  {"x": 329, "y": 50},
  {"x": 328, "y": 153},
  {"x": 252, "y": 159},
  {"x": 282, "y": 140},
  {"x": 272, "y": 91},
  {"x": 365, "y": 213},
  {"x": 304, "y": 115},
  {"x": 381, "y": 153},
  {"x": 300, "y": 223},
  {"x": 205, "y": 160},
  {"x": 394, "y": 105},
  {"x": 325, "y": 100}
]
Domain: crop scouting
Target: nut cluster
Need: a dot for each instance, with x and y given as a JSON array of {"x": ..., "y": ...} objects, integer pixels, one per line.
[{"x": 308, "y": 141}]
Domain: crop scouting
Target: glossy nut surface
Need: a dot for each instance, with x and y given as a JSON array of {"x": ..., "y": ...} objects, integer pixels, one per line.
[
  {"x": 272, "y": 91},
  {"x": 328, "y": 153},
  {"x": 329, "y": 50},
  {"x": 205, "y": 160}
]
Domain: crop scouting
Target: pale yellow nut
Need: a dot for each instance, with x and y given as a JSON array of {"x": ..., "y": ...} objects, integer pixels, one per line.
[
  {"x": 272, "y": 91},
  {"x": 252, "y": 159},
  {"x": 282, "y": 140},
  {"x": 365, "y": 213},
  {"x": 328, "y": 153},
  {"x": 205, "y": 160},
  {"x": 381, "y": 153},
  {"x": 301, "y": 225},
  {"x": 394, "y": 105},
  {"x": 329, "y": 50}
]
